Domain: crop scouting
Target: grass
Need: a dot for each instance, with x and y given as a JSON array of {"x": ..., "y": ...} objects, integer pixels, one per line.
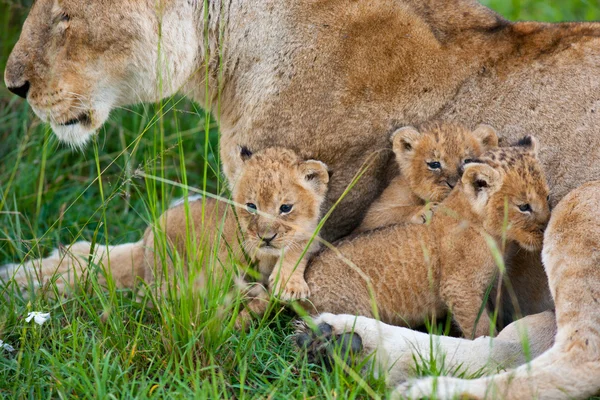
[{"x": 183, "y": 348}]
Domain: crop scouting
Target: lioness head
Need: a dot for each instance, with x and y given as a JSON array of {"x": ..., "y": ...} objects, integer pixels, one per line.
[
  {"x": 508, "y": 188},
  {"x": 282, "y": 195},
  {"x": 432, "y": 159},
  {"x": 77, "y": 60}
]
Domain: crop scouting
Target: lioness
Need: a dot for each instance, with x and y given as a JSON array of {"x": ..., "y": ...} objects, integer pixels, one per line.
[
  {"x": 330, "y": 79},
  {"x": 409, "y": 273},
  {"x": 282, "y": 196}
]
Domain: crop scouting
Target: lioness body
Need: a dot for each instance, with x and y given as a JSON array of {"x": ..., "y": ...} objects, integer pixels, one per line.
[
  {"x": 336, "y": 76},
  {"x": 418, "y": 271}
]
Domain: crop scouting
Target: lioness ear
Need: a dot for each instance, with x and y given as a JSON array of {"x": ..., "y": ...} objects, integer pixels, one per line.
[
  {"x": 529, "y": 143},
  {"x": 486, "y": 135},
  {"x": 479, "y": 182},
  {"x": 316, "y": 174},
  {"x": 245, "y": 153},
  {"x": 404, "y": 140}
]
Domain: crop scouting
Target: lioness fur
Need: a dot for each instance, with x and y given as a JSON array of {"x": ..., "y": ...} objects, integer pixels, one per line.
[
  {"x": 278, "y": 241},
  {"x": 409, "y": 273},
  {"x": 431, "y": 161},
  {"x": 571, "y": 368},
  {"x": 330, "y": 79}
]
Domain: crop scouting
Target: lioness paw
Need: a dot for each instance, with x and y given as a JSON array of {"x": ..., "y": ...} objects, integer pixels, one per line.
[{"x": 322, "y": 345}]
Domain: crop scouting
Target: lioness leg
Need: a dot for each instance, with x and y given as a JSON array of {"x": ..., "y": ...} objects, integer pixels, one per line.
[{"x": 393, "y": 349}]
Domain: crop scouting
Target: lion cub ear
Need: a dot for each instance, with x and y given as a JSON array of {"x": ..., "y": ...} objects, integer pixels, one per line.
[
  {"x": 404, "y": 140},
  {"x": 529, "y": 143},
  {"x": 316, "y": 174},
  {"x": 480, "y": 181},
  {"x": 486, "y": 135}
]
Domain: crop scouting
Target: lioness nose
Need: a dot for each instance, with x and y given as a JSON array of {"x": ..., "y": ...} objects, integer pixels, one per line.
[
  {"x": 267, "y": 240},
  {"x": 20, "y": 91}
]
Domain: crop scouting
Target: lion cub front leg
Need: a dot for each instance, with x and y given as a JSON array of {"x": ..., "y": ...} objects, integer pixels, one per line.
[
  {"x": 287, "y": 279},
  {"x": 465, "y": 305},
  {"x": 420, "y": 215}
]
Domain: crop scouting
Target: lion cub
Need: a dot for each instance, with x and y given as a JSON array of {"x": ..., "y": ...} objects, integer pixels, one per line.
[
  {"x": 411, "y": 272},
  {"x": 281, "y": 196},
  {"x": 431, "y": 162}
]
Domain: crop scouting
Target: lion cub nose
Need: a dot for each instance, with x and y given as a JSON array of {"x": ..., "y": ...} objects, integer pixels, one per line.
[
  {"x": 20, "y": 91},
  {"x": 267, "y": 240}
]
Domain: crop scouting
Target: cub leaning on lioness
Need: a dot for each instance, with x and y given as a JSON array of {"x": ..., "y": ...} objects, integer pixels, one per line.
[
  {"x": 431, "y": 162},
  {"x": 416, "y": 271},
  {"x": 282, "y": 197},
  {"x": 571, "y": 368}
]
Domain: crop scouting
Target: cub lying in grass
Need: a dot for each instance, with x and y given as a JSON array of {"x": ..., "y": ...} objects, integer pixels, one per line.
[
  {"x": 416, "y": 271},
  {"x": 431, "y": 162},
  {"x": 281, "y": 195}
]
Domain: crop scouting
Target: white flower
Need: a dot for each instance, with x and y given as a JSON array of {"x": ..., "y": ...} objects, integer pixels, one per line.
[
  {"x": 6, "y": 346},
  {"x": 38, "y": 317}
]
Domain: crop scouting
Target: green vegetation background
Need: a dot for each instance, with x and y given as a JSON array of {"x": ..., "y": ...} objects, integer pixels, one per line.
[{"x": 50, "y": 194}]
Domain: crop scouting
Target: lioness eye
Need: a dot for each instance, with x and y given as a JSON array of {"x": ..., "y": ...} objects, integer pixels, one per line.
[
  {"x": 467, "y": 160},
  {"x": 285, "y": 208},
  {"x": 525, "y": 208},
  {"x": 434, "y": 165},
  {"x": 251, "y": 207}
]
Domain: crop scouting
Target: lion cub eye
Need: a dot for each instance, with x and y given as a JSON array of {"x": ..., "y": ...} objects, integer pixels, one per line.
[
  {"x": 251, "y": 207},
  {"x": 285, "y": 208},
  {"x": 525, "y": 208},
  {"x": 434, "y": 165}
]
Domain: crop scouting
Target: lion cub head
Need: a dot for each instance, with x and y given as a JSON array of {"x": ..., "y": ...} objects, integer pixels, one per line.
[
  {"x": 432, "y": 159},
  {"x": 507, "y": 187},
  {"x": 282, "y": 195}
]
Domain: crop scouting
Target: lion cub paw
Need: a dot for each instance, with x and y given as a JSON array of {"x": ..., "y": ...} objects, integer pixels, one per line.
[
  {"x": 294, "y": 288},
  {"x": 424, "y": 214},
  {"x": 243, "y": 321}
]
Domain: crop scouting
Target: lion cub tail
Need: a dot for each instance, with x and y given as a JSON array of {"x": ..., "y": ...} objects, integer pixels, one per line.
[{"x": 67, "y": 267}]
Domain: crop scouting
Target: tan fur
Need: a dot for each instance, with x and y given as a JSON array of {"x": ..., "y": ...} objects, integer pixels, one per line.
[
  {"x": 417, "y": 271},
  {"x": 405, "y": 199},
  {"x": 330, "y": 79},
  {"x": 571, "y": 368},
  {"x": 268, "y": 179}
]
